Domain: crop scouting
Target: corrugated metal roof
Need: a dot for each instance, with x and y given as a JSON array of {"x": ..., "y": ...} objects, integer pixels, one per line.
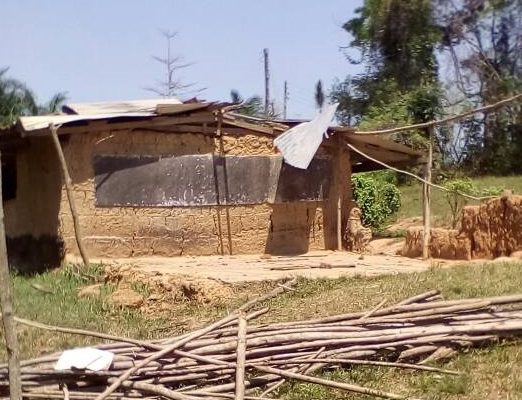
[
  {"x": 30, "y": 124},
  {"x": 84, "y": 112},
  {"x": 118, "y": 107},
  {"x": 300, "y": 143}
]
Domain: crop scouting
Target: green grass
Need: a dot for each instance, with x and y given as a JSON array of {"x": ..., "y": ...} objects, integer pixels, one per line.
[
  {"x": 62, "y": 307},
  {"x": 411, "y": 197},
  {"x": 491, "y": 373}
]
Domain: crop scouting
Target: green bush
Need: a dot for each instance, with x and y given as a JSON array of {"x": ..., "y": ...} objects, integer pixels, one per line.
[
  {"x": 456, "y": 201},
  {"x": 454, "y": 198},
  {"x": 377, "y": 195}
]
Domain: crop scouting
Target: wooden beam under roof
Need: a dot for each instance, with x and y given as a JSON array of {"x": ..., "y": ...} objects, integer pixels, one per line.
[
  {"x": 200, "y": 129},
  {"x": 105, "y": 125},
  {"x": 379, "y": 142}
]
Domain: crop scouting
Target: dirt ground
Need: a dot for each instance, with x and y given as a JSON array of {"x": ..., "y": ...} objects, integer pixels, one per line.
[
  {"x": 252, "y": 268},
  {"x": 153, "y": 284}
]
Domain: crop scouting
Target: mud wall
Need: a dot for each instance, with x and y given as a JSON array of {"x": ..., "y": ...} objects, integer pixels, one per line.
[
  {"x": 490, "y": 230},
  {"x": 31, "y": 218},
  {"x": 138, "y": 231}
]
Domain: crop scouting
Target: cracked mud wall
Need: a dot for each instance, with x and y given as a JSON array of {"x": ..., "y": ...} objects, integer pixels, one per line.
[
  {"x": 147, "y": 231},
  {"x": 31, "y": 218},
  {"x": 492, "y": 229}
]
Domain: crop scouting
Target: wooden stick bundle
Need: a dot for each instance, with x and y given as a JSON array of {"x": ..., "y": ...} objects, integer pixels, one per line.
[{"x": 230, "y": 361}]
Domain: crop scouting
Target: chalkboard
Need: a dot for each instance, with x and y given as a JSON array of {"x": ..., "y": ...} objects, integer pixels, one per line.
[
  {"x": 204, "y": 180},
  {"x": 295, "y": 184}
]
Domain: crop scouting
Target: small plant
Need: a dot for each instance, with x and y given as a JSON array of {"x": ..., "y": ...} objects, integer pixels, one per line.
[
  {"x": 457, "y": 201},
  {"x": 377, "y": 196},
  {"x": 454, "y": 197}
]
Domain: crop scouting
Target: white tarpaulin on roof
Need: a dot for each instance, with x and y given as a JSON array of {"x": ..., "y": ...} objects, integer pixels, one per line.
[{"x": 300, "y": 143}]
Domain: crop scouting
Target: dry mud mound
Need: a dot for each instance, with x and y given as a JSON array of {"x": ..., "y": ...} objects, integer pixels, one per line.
[
  {"x": 490, "y": 230},
  {"x": 160, "y": 291}
]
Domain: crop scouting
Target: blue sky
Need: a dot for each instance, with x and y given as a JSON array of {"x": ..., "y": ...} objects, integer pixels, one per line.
[{"x": 99, "y": 50}]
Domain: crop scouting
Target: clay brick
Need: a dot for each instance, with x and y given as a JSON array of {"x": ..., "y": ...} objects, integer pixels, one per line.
[{"x": 172, "y": 246}]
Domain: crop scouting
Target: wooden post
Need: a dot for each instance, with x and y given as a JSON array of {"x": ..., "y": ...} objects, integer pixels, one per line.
[
  {"x": 219, "y": 130},
  {"x": 68, "y": 188},
  {"x": 337, "y": 203},
  {"x": 339, "y": 216},
  {"x": 342, "y": 181},
  {"x": 6, "y": 303},
  {"x": 426, "y": 199},
  {"x": 241, "y": 356}
]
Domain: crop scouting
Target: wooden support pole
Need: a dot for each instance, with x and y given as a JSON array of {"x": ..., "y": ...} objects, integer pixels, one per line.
[
  {"x": 219, "y": 131},
  {"x": 344, "y": 191},
  {"x": 6, "y": 306},
  {"x": 241, "y": 357},
  {"x": 337, "y": 202},
  {"x": 340, "y": 194},
  {"x": 68, "y": 188},
  {"x": 426, "y": 199}
]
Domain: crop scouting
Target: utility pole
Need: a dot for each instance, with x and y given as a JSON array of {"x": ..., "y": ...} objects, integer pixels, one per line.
[
  {"x": 285, "y": 99},
  {"x": 267, "y": 82}
]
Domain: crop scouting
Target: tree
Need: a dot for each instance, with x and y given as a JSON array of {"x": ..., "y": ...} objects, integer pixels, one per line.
[
  {"x": 319, "y": 95},
  {"x": 253, "y": 106},
  {"x": 16, "y": 100},
  {"x": 53, "y": 105},
  {"x": 395, "y": 39},
  {"x": 173, "y": 85},
  {"x": 482, "y": 38}
]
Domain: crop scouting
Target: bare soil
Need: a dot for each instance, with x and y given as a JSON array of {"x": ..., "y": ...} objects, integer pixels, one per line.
[{"x": 251, "y": 268}]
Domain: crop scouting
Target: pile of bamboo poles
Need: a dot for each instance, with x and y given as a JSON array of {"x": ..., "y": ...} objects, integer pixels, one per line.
[{"x": 235, "y": 358}]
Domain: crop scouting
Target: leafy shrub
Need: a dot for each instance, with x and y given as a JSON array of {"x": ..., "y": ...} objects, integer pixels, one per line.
[
  {"x": 454, "y": 198},
  {"x": 457, "y": 202},
  {"x": 384, "y": 176},
  {"x": 377, "y": 195}
]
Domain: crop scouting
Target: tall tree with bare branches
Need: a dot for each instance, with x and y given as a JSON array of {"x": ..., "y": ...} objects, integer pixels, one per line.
[{"x": 172, "y": 85}]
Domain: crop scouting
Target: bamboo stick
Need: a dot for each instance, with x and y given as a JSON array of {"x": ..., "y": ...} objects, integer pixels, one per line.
[
  {"x": 210, "y": 362},
  {"x": 446, "y": 120},
  {"x": 426, "y": 198},
  {"x": 84, "y": 332},
  {"x": 373, "y": 310},
  {"x": 155, "y": 389},
  {"x": 418, "y": 298},
  {"x": 337, "y": 385},
  {"x": 115, "y": 384},
  {"x": 241, "y": 357},
  {"x": 354, "y": 361},
  {"x": 68, "y": 188}
]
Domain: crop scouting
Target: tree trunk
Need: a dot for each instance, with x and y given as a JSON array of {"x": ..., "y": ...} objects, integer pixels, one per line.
[{"x": 11, "y": 340}]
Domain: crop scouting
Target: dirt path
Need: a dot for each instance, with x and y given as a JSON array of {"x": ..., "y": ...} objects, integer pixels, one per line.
[{"x": 249, "y": 268}]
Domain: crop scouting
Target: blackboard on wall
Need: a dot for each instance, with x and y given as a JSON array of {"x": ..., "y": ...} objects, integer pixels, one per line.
[{"x": 205, "y": 180}]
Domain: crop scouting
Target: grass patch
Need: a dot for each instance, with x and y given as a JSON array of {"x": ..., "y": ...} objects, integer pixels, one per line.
[
  {"x": 411, "y": 197},
  {"x": 63, "y": 307},
  {"x": 491, "y": 373}
]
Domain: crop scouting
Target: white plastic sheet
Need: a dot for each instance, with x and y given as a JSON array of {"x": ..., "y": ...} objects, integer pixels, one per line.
[
  {"x": 85, "y": 358},
  {"x": 300, "y": 143}
]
